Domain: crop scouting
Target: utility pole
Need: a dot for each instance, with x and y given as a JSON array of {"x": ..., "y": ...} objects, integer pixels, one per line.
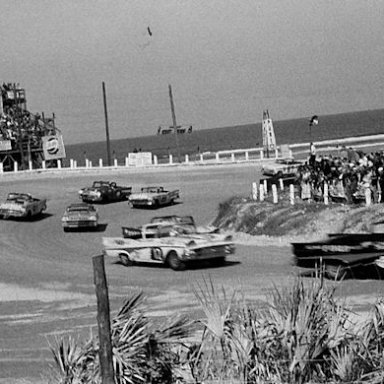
[
  {"x": 103, "y": 321},
  {"x": 174, "y": 123},
  {"x": 106, "y": 127}
]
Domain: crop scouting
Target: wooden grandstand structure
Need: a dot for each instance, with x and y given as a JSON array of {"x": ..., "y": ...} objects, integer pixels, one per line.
[{"x": 22, "y": 132}]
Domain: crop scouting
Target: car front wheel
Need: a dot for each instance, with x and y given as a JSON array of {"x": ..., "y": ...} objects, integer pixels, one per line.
[{"x": 174, "y": 261}]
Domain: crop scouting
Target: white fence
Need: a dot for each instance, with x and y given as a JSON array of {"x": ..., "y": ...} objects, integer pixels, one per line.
[{"x": 147, "y": 159}]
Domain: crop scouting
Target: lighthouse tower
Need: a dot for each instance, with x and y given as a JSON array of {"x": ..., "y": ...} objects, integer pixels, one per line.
[{"x": 269, "y": 139}]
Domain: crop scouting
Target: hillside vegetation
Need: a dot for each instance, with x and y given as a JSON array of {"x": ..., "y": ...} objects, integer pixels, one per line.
[{"x": 302, "y": 220}]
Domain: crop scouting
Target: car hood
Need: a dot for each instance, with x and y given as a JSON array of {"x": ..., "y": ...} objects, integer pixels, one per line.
[{"x": 141, "y": 196}]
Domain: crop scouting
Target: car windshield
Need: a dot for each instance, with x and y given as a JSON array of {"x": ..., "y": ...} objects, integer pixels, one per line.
[
  {"x": 151, "y": 189},
  {"x": 98, "y": 184},
  {"x": 79, "y": 209}
]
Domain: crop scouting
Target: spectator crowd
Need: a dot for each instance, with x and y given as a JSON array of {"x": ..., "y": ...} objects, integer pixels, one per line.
[
  {"x": 351, "y": 177},
  {"x": 17, "y": 123}
]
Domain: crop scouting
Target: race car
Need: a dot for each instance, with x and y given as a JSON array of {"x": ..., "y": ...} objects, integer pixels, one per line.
[
  {"x": 104, "y": 192},
  {"x": 80, "y": 215},
  {"x": 153, "y": 197},
  {"x": 162, "y": 244},
  {"x": 22, "y": 205},
  {"x": 287, "y": 167}
]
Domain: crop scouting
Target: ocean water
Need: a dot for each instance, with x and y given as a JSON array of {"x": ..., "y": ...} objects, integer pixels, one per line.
[{"x": 236, "y": 137}]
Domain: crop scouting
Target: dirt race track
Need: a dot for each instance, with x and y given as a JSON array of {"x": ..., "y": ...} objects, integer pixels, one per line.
[{"x": 46, "y": 275}]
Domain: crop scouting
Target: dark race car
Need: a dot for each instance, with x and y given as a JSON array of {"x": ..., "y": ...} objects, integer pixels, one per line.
[{"x": 104, "y": 192}]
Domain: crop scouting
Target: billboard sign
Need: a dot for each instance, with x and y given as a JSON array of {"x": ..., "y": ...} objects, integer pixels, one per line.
[
  {"x": 5, "y": 145},
  {"x": 53, "y": 147}
]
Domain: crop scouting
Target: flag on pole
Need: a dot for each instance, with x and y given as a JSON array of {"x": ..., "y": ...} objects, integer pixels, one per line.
[{"x": 314, "y": 120}]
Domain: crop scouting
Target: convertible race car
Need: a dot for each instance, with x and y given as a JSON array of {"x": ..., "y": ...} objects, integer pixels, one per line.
[
  {"x": 153, "y": 197},
  {"x": 104, "y": 192},
  {"x": 80, "y": 215},
  {"x": 22, "y": 205},
  {"x": 169, "y": 245}
]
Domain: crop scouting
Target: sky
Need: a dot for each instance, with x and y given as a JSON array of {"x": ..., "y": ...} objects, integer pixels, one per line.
[{"x": 226, "y": 60}]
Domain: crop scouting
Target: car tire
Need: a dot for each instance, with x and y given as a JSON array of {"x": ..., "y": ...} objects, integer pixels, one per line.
[
  {"x": 219, "y": 262},
  {"x": 174, "y": 262},
  {"x": 125, "y": 260},
  {"x": 336, "y": 271}
]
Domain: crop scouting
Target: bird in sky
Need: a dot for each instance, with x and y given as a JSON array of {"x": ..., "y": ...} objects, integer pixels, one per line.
[{"x": 149, "y": 31}]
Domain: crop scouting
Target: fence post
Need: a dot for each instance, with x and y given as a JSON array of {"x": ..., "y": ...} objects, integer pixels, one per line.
[
  {"x": 170, "y": 159},
  {"x": 254, "y": 191},
  {"x": 368, "y": 197},
  {"x": 71, "y": 165},
  {"x": 326, "y": 190},
  {"x": 59, "y": 164},
  {"x": 15, "y": 166},
  {"x": 115, "y": 162},
  {"x": 274, "y": 194},
  {"x": 261, "y": 192},
  {"x": 292, "y": 194},
  {"x": 186, "y": 158}
]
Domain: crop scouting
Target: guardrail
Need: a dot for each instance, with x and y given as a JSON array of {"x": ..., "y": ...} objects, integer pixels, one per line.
[{"x": 207, "y": 158}]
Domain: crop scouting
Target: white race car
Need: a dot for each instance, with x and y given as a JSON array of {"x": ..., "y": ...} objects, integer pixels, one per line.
[{"x": 171, "y": 245}]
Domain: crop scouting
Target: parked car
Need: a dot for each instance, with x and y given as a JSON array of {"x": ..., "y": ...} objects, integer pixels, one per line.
[
  {"x": 153, "y": 197},
  {"x": 104, "y": 192},
  {"x": 22, "y": 205},
  {"x": 280, "y": 168},
  {"x": 164, "y": 244},
  {"x": 80, "y": 215}
]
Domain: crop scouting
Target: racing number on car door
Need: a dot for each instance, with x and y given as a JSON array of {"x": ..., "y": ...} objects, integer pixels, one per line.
[{"x": 157, "y": 254}]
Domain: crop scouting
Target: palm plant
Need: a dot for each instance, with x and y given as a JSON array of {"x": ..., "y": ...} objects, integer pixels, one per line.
[{"x": 142, "y": 350}]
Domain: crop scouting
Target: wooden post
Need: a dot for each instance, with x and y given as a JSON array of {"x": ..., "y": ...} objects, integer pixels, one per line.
[
  {"x": 103, "y": 320},
  {"x": 265, "y": 186}
]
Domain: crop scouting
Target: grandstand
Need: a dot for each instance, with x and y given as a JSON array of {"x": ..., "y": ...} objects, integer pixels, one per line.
[{"x": 26, "y": 139}]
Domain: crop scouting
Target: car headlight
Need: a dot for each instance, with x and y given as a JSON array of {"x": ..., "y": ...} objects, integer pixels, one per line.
[
  {"x": 93, "y": 218},
  {"x": 188, "y": 253},
  {"x": 81, "y": 192}
]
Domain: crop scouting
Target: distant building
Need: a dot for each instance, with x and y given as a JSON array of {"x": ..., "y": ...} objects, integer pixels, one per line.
[{"x": 165, "y": 130}]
